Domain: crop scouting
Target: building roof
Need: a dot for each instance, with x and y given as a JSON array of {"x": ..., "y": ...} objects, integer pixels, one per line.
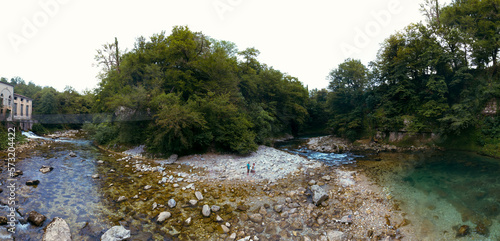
[
  {"x": 22, "y": 96},
  {"x": 6, "y": 83}
]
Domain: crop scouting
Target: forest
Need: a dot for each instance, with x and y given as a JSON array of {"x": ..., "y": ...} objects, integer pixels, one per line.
[{"x": 184, "y": 92}]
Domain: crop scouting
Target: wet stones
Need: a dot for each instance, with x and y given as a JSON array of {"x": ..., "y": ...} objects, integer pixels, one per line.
[
  {"x": 278, "y": 208},
  {"x": 215, "y": 208},
  {"x": 171, "y": 203},
  {"x": 36, "y": 218},
  {"x": 206, "y": 211},
  {"x": 256, "y": 218},
  {"x": 57, "y": 230},
  {"x": 198, "y": 195},
  {"x": 163, "y": 216},
  {"x": 116, "y": 233},
  {"x": 463, "y": 231},
  {"x": 3, "y": 220},
  {"x": 32, "y": 182},
  {"x": 46, "y": 169},
  {"x": 319, "y": 194},
  {"x": 482, "y": 229}
]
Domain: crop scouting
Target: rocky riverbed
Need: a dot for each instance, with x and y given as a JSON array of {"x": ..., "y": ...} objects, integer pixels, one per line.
[{"x": 211, "y": 197}]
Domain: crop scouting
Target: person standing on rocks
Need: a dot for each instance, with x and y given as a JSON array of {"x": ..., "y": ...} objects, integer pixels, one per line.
[
  {"x": 248, "y": 168},
  {"x": 253, "y": 168}
]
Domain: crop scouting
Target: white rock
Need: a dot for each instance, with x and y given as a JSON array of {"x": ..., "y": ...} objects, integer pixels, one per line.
[
  {"x": 121, "y": 199},
  {"x": 193, "y": 202},
  {"x": 215, "y": 208},
  {"x": 163, "y": 216},
  {"x": 95, "y": 176},
  {"x": 188, "y": 221},
  {"x": 218, "y": 219},
  {"x": 225, "y": 229},
  {"x": 335, "y": 235},
  {"x": 232, "y": 236},
  {"x": 116, "y": 233},
  {"x": 57, "y": 230},
  {"x": 172, "y": 203},
  {"x": 147, "y": 187},
  {"x": 206, "y": 211},
  {"x": 198, "y": 195}
]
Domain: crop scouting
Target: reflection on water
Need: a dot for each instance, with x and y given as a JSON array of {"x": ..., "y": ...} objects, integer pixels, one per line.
[{"x": 443, "y": 191}]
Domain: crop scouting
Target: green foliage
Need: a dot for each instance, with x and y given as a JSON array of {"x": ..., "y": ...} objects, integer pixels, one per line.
[{"x": 185, "y": 93}]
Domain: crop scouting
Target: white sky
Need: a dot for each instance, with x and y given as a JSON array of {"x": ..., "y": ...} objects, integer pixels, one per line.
[{"x": 53, "y": 42}]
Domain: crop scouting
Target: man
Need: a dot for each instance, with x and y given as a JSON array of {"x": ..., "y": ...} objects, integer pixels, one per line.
[{"x": 248, "y": 168}]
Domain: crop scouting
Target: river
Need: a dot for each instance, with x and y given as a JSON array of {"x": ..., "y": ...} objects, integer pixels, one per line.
[{"x": 438, "y": 191}]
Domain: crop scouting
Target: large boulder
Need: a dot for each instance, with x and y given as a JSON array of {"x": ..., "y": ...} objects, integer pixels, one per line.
[
  {"x": 57, "y": 230},
  {"x": 319, "y": 194},
  {"x": 116, "y": 233},
  {"x": 36, "y": 218}
]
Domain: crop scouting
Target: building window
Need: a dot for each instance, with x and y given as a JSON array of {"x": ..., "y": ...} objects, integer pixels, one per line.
[
  {"x": 15, "y": 98},
  {"x": 27, "y": 110},
  {"x": 22, "y": 109},
  {"x": 10, "y": 99},
  {"x": 15, "y": 109}
]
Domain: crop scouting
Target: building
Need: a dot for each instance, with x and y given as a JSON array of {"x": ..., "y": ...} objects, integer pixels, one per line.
[{"x": 15, "y": 108}]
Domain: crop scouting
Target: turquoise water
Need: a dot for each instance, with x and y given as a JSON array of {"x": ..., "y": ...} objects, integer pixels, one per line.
[{"x": 442, "y": 191}]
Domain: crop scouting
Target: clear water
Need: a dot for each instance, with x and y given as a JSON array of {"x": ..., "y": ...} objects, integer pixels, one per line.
[{"x": 443, "y": 191}]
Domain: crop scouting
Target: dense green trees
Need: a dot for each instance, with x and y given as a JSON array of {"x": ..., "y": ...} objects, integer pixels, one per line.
[
  {"x": 433, "y": 77},
  {"x": 186, "y": 92}
]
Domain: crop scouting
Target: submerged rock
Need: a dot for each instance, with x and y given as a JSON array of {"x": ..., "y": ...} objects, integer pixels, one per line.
[
  {"x": 36, "y": 218},
  {"x": 116, "y": 233},
  {"x": 57, "y": 230},
  {"x": 319, "y": 194},
  {"x": 198, "y": 195},
  {"x": 163, "y": 216},
  {"x": 171, "y": 203},
  {"x": 46, "y": 169},
  {"x": 256, "y": 218},
  {"x": 463, "y": 231},
  {"x": 206, "y": 211},
  {"x": 32, "y": 182}
]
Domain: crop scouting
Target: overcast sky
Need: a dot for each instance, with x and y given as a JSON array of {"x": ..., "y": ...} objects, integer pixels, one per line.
[{"x": 53, "y": 42}]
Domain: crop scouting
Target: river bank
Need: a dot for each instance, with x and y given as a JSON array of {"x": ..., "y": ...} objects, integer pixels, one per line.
[{"x": 275, "y": 203}]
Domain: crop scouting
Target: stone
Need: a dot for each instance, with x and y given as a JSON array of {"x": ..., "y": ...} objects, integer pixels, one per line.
[
  {"x": 321, "y": 221},
  {"x": 193, "y": 202},
  {"x": 188, "y": 221},
  {"x": 319, "y": 194},
  {"x": 482, "y": 229},
  {"x": 278, "y": 208},
  {"x": 95, "y": 176},
  {"x": 72, "y": 154},
  {"x": 147, "y": 187},
  {"x": 326, "y": 178},
  {"x": 17, "y": 173},
  {"x": 198, "y": 195},
  {"x": 57, "y": 230},
  {"x": 3, "y": 220},
  {"x": 224, "y": 228},
  {"x": 155, "y": 205},
  {"x": 463, "y": 231},
  {"x": 121, "y": 199},
  {"x": 256, "y": 218},
  {"x": 215, "y": 208},
  {"x": 218, "y": 219},
  {"x": 206, "y": 211},
  {"x": 32, "y": 182},
  {"x": 347, "y": 219},
  {"x": 36, "y": 218},
  {"x": 100, "y": 162},
  {"x": 312, "y": 182},
  {"x": 46, "y": 169},
  {"x": 334, "y": 235},
  {"x": 232, "y": 237},
  {"x": 297, "y": 225},
  {"x": 263, "y": 211},
  {"x": 171, "y": 203},
  {"x": 163, "y": 216},
  {"x": 175, "y": 185},
  {"x": 116, "y": 233},
  {"x": 172, "y": 159}
]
